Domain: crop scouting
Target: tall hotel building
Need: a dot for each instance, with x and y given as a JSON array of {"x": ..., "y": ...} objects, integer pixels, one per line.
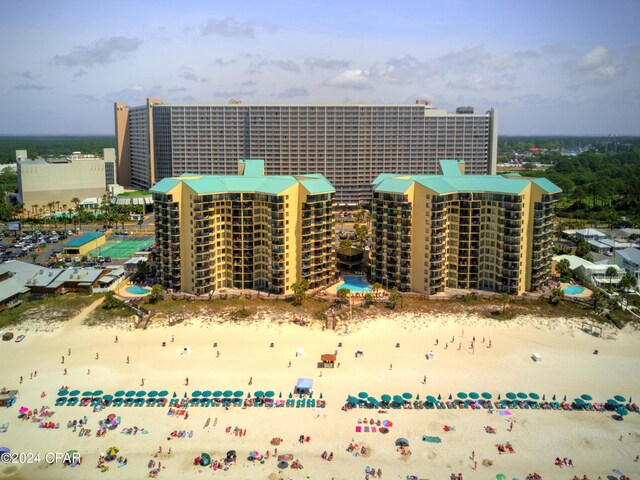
[
  {"x": 246, "y": 231},
  {"x": 349, "y": 144},
  {"x": 457, "y": 231}
]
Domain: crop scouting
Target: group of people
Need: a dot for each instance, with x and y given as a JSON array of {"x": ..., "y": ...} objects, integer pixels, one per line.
[
  {"x": 324, "y": 456},
  {"x": 371, "y": 472},
  {"x": 357, "y": 449},
  {"x": 565, "y": 462},
  {"x": 456, "y": 477}
]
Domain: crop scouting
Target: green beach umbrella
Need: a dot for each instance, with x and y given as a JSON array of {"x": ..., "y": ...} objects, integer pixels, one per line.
[
  {"x": 565, "y": 398},
  {"x": 108, "y": 397},
  {"x": 544, "y": 397},
  {"x": 62, "y": 392},
  {"x": 620, "y": 398},
  {"x": 501, "y": 476},
  {"x": 554, "y": 397},
  {"x": 290, "y": 395},
  {"x": 522, "y": 395},
  {"x": 385, "y": 398},
  {"x": 269, "y": 394},
  {"x": 258, "y": 394},
  {"x": 97, "y": 393},
  {"x": 363, "y": 395},
  {"x": 227, "y": 393},
  {"x": 130, "y": 393},
  {"x": 511, "y": 395},
  {"x": 407, "y": 396},
  {"x": 205, "y": 459},
  {"x": 119, "y": 393},
  {"x": 499, "y": 395},
  {"x": 450, "y": 396},
  {"x": 87, "y": 393},
  {"x": 206, "y": 393},
  {"x": 352, "y": 400},
  {"x": 439, "y": 397},
  {"x": 238, "y": 393},
  {"x": 418, "y": 397},
  {"x": 153, "y": 394},
  {"x": 613, "y": 403},
  {"x": 486, "y": 395},
  {"x": 579, "y": 401},
  {"x": 141, "y": 393},
  {"x": 474, "y": 396},
  {"x": 462, "y": 395},
  {"x": 163, "y": 393},
  {"x": 622, "y": 411},
  {"x": 196, "y": 393},
  {"x": 217, "y": 393},
  {"x": 372, "y": 400},
  {"x": 586, "y": 397},
  {"x": 431, "y": 399},
  {"x": 398, "y": 399},
  {"x": 74, "y": 393},
  {"x": 535, "y": 396}
]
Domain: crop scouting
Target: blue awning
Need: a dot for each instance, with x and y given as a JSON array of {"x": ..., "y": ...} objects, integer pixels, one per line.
[{"x": 304, "y": 383}]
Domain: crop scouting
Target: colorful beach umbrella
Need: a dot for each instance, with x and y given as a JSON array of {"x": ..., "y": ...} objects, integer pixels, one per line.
[
  {"x": 407, "y": 396},
  {"x": 522, "y": 395},
  {"x": 534, "y": 396},
  {"x": 112, "y": 452},
  {"x": 269, "y": 394},
  {"x": 486, "y": 395},
  {"x": 586, "y": 397},
  {"x": 462, "y": 396},
  {"x": 130, "y": 393},
  {"x": 385, "y": 398},
  {"x": 227, "y": 393},
  {"x": 141, "y": 393},
  {"x": 474, "y": 395},
  {"x": 119, "y": 393},
  {"x": 196, "y": 393},
  {"x": 257, "y": 394},
  {"x": 206, "y": 393},
  {"x": 501, "y": 476},
  {"x": 163, "y": 393},
  {"x": 620, "y": 398},
  {"x": 153, "y": 394},
  {"x": 62, "y": 393},
  {"x": 363, "y": 395}
]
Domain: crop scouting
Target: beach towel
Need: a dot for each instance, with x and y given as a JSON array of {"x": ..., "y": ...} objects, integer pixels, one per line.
[
  {"x": 358, "y": 429},
  {"x": 504, "y": 412},
  {"x": 426, "y": 438},
  {"x": 366, "y": 429},
  {"x": 373, "y": 429}
]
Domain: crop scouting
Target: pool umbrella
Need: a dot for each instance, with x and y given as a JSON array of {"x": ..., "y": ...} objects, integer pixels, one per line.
[
  {"x": 352, "y": 400},
  {"x": 227, "y": 393},
  {"x": 196, "y": 393},
  {"x": 87, "y": 393},
  {"x": 511, "y": 395},
  {"x": 407, "y": 396},
  {"x": 112, "y": 452},
  {"x": 206, "y": 393},
  {"x": 462, "y": 395},
  {"x": 620, "y": 398},
  {"x": 74, "y": 393},
  {"x": 431, "y": 399},
  {"x": 258, "y": 394},
  {"x": 501, "y": 476},
  {"x": 205, "y": 459},
  {"x": 130, "y": 393},
  {"x": 613, "y": 403},
  {"x": 534, "y": 396},
  {"x": 153, "y": 394},
  {"x": 217, "y": 393},
  {"x": 119, "y": 393},
  {"x": 398, "y": 399},
  {"x": 282, "y": 464},
  {"x": 385, "y": 398},
  {"x": 163, "y": 393},
  {"x": 269, "y": 394},
  {"x": 402, "y": 442},
  {"x": 586, "y": 397},
  {"x": 62, "y": 393},
  {"x": 474, "y": 396},
  {"x": 363, "y": 395},
  {"x": 486, "y": 395},
  {"x": 141, "y": 393},
  {"x": 97, "y": 393},
  {"x": 108, "y": 397},
  {"x": 522, "y": 395}
]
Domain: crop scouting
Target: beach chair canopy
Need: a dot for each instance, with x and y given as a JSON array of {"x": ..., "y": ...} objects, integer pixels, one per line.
[
  {"x": 402, "y": 442},
  {"x": 328, "y": 358},
  {"x": 304, "y": 385}
]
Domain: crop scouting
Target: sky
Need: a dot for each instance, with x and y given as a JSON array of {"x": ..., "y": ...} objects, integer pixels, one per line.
[{"x": 560, "y": 67}]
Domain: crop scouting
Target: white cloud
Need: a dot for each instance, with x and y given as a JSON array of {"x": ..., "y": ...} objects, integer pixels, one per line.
[
  {"x": 597, "y": 64},
  {"x": 234, "y": 93},
  {"x": 102, "y": 51},
  {"x": 478, "y": 81},
  {"x": 31, "y": 86},
  {"x": 292, "y": 93},
  {"x": 286, "y": 65},
  {"x": 356, "y": 79},
  {"x": 323, "y": 63},
  {"x": 232, "y": 27}
]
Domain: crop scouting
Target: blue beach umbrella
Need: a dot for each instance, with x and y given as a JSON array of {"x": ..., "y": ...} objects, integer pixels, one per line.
[
  {"x": 163, "y": 393},
  {"x": 613, "y": 403},
  {"x": 97, "y": 393},
  {"x": 74, "y": 393},
  {"x": 258, "y": 394},
  {"x": 522, "y": 395},
  {"x": 87, "y": 393},
  {"x": 352, "y": 400},
  {"x": 119, "y": 393},
  {"x": 153, "y": 394},
  {"x": 206, "y": 393},
  {"x": 141, "y": 394},
  {"x": 511, "y": 395},
  {"x": 269, "y": 394},
  {"x": 373, "y": 401},
  {"x": 62, "y": 392},
  {"x": 196, "y": 393},
  {"x": 431, "y": 399},
  {"x": 227, "y": 393},
  {"x": 462, "y": 395},
  {"x": 486, "y": 395},
  {"x": 398, "y": 399},
  {"x": 108, "y": 398},
  {"x": 407, "y": 396},
  {"x": 130, "y": 393},
  {"x": 534, "y": 396},
  {"x": 363, "y": 395},
  {"x": 238, "y": 393},
  {"x": 385, "y": 398},
  {"x": 217, "y": 393},
  {"x": 586, "y": 397},
  {"x": 474, "y": 395},
  {"x": 620, "y": 398}
]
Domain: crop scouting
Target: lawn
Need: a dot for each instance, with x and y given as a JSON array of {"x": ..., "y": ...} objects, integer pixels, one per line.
[{"x": 137, "y": 193}]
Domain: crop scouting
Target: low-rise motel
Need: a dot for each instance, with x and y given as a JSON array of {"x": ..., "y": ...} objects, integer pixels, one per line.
[
  {"x": 433, "y": 232},
  {"x": 245, "y": 231}
]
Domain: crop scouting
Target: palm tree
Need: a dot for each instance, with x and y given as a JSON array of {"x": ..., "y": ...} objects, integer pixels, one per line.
[
  {"x": 596, "y": 296},
  {"x": 76, "y": 202},
  {"x": 504, "y": 298},
  {"x": 33, "y": 256},
  {"x": 368, "y": 299},
  {"x": 557, "y": 294},
  {"x": 377, "y": 286},
  {"x": 628, "y": 282},
  {"x": 611, "y": 271},
  {"x": 342, "y": 294}
]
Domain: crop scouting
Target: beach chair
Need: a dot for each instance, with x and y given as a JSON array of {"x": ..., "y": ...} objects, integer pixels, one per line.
[
  {"x": 61, "y": 401},
  {"x": 311, "y": 403},
  {"x": 300, "y": 403},
  {"x": 72, "y": 402},
  {"x": 4, "y": 427}
]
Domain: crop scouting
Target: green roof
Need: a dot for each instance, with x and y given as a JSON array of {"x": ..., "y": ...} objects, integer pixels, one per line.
[
  {"x": 451, "y": 168},
  {"x": 252, "y": 181},
  {"x": 84, "y": 239}
]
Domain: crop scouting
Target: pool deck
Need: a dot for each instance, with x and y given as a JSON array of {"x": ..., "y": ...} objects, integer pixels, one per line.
[
  {"x": 585, "y": 294},
  {"x": 122, "y": 290}
]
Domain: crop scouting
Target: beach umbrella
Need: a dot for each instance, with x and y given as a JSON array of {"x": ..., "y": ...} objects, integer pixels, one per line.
[
  {"x": 163, "y": 393},
  {"x": 617, "y": 472},
  {"x": 372, "y": 400},
  {"x": 501, "y": 476},
  {"x": 352, "y": 400},
  {"x": 450, "y": 396},
  {"x": 119, "y": 393},
  {"x": 613, "y": 403},
  {"x": 522, "y": 395},
  {"x": 407, "y": 396},
  {"x": 499, "y": 396},
  {"x": 231, "y": 453},
  {"x": 554, "y": 397},
  {"x": 282, "y": 464},
  {"x": 130, "y": 393},
  {"x": 586, "y": 397},
  {"x": 141, "y": 393},
  {"x": 431, "y": 399},
  {"x": 175, "y": 395},
  {"x": 462, "y": 395},
  {"x": 238, "y": 393},
  {"x": 544, "y": 397},
  {"x": 385, "y": 398},
  {"x": 62, "y": 393},
  {"x": 474, "y": 396},
  {"x": 206, "y": 393},
  {"x": 511, "y": 395},
  {"x": 97, "y": 393},
  {"x": 196, "y": 393},
  {"x": 205, "y": 459},
  {"x": 565, "y": 398},
  {"x": 108, "y": 398},
  {"x": 534, "y": 396},
  {"x": 74, "y": 393},
  {"x": 290, "y": 395},
  {"x": 363, "y": 395},
  {"x": 87, "y": 393},
  {"x": 579, "y": 401},
  {"x": 439, "y": 397},
  {"x": 153, "y": 394},
  {"x": 398, "y": 399},
  {"x": 622, "y": 411},
  {"x": 486, "y": 395},
  {"x": 217, "y": 393},
  {"x": 418, "y": 397},
  {"x": 269, "y": 394},
  {"x": 4, "y": 450},
  {"x": 112, "y": 452},
  {"x": 620, "y": 398},
  {"x": 258, "y": 394},
  {"x": 227, "y": 393},
  {"x": 402, "y": 442},
  {"x": 320, "y": 395}
]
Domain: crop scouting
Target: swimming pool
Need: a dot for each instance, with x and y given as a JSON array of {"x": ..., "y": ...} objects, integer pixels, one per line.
[
  {"x": 573, "y": 290},
  {"x": 136, "y": 290},
  {"x": 354, "y": 283}
]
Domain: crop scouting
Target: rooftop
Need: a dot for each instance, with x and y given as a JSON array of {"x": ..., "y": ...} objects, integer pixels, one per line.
[
  {"x": 84, "y": 239},
  {"x": 251, "y": 181},
  {"x": 630, "y": 254}
]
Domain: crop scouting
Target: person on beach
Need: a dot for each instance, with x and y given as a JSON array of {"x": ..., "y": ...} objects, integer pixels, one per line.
[
  {"x": 63, "y": 359},
  {"x": 446, "y": 345},
  {"x": 97, "y": 356},
  {"x": 436, "y": 342},
  {"x": 489, "y": 344},
  {"x": 65, "y": 371},
  {"x": 289, "y": 363},
  {"x": 31, "y": 376},
  {"x": 88, "y": 371},
  {"x": 424, "y": 379},
  {"x": 172, "y": 338},
  {"x": 217, "y": 353},
  {"x": 460, "y": 346},
  {"x": 20, "y": 378},
  {"x": 250, "y": 380},
  {"x": 116, "y": 339},
  {"x": 127, "y": 359},
  {"x": 142, "y": 382},
  {"x": 186, "y": 381}
]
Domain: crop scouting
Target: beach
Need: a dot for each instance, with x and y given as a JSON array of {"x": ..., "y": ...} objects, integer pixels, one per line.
[{"x": 394, "y": 361}]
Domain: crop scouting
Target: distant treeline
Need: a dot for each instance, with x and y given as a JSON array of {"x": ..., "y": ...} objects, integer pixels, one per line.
[
  {"x": 600, "y": 144},
  {"x": 53, "y": 145}
]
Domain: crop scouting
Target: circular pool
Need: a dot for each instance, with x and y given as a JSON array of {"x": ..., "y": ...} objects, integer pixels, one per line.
[
  {"x": 136, "y": 290},
  {"x": 573, "y": 290}
]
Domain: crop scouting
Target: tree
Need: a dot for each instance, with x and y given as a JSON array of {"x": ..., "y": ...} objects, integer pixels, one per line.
[
  {"x": 583, "y": 250},
  {"x": 610, "y": 272},
  {"x": 110, "y": 301},
  {"x": 343, "y": 294},
  {"x": 504, "y": 298},
  {"x": 596, "y": 296},
  {"x": 346, "y": 243},
  {"x": 368, "y": 299},
  {"x": 394, "y": 297},
  {"x": 377, "y": 286},
  {"x": 563, "y": 267},
  {"x": 557, "y": 294},
  {"x": 156, "y": 294},
  {"x": 299, "y": 291},
  {"x": 76, "y": 202},
  {"x": 628, "y": 282},
  {"x": 33, "y": 256}
]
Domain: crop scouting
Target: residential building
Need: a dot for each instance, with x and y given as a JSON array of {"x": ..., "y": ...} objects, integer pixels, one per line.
[
  {"x": 61, "y": 179},
  {"x": 348, "y": 144},
  {"x": 595, "y": 273},
  {"x": 245, "y": 231},
  {"x": 458, "y": 231},
  {"x": 629, "y": 259},
  {"x": 589, "y": 234},
  {"x": 18, "y": 277}
]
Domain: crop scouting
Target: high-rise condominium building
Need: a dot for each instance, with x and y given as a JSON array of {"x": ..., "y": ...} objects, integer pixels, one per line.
[
  {"x": 459, "y": 231},
  {"x": 246, "y": 231},
  {"x": 349, "y": 144}
]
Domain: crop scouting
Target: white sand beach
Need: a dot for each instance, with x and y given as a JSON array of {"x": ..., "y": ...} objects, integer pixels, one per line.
[{"x": 594, "y": 441}]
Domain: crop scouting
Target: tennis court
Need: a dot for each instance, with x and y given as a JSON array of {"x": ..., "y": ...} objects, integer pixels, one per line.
[{"x": 123, "y": 247}]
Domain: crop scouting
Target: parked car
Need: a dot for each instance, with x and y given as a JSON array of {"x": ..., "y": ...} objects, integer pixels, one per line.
[{"x": 107, "y": 259}]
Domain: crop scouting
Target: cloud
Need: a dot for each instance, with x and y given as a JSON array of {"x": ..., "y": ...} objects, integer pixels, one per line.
[
  {"x": 27, "y": 75},
  {"x": 234, "y": 93},
  {"x": 356, "y": 79},
  {"x": 222, "y": 62},
  {"x": 322, "y": 63},
  {"x": 258, "y": 64},
  {"x": 80, "y": 73},
  {"x": 135, "y": 94},
  {"x": 292, "y": 93},
  {"x": 596, "y": 64},
  {"x": 187, "y": 74},
  {"x": 177, "y": 89},
  {"x": 31, "y": 86},
  {"x": 100, "y": 52},
  {"x": 231, "y": 27},
  {"x": 477, "y": 81},
  {"x": 286, "y": 65},
  {"x": 84, "y": 98},
  {"x": 249, "y": 83}
]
